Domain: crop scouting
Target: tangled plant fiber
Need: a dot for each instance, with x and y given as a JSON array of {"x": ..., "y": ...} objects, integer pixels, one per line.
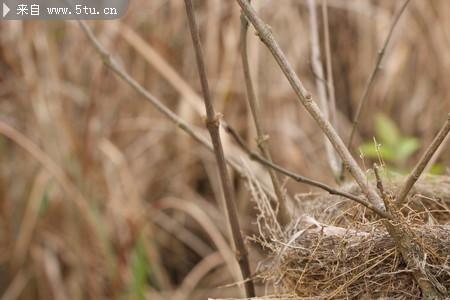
[{"x": 335, "y": 249}]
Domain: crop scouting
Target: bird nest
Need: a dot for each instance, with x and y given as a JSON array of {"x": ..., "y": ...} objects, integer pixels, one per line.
[{"x": 336, "y": 249}]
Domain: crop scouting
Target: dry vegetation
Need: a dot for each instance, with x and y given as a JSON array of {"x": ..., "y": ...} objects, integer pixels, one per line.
[
  {"x": 102, "y": 197},
  {"x": 335, "y": 250}
]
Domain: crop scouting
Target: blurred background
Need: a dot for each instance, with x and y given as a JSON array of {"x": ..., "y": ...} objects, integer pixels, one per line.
[{"x": 102, "y": 197}]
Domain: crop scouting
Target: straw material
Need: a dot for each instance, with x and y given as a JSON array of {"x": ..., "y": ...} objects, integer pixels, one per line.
[{"x": 336, "y": 249}]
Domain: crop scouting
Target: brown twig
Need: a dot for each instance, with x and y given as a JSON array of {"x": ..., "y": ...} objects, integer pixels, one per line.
[
  {"x": 283, "y": 215},
  {"x": 306, "y": 100},
  {"x": 423, "y": 162},
  {"x": 362, "y": 101},
  {"x": 329, "y": 64},
  {"x": 112, "y": 64},
  {"x": 212, "y": 124},
  {"x": 401, "y": 233},
  {"x": 380, "y": 184},
  {"x": 299, "y": 178}
]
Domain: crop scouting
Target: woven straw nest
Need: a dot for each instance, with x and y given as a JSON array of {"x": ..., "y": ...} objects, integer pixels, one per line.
[{"x": 336, "y": 249}]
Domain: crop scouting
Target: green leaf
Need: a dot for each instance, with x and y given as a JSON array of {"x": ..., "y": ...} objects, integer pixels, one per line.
[
  {"x": 407, "y": 147},
  {"x": 386, "y": 130},
  {"x": 437, "y": 169},
  {"x": 44, "y": 204},
  {"x": 370, "y": 150},
  {"x": 140, "y": 270}
]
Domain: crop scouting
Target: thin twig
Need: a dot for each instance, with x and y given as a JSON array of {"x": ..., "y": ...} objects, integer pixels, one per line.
[
  {"x": 437, "y": 154},
  {"x": 380, "y": 184},
  {"x": 306, "y": 100},
  {"x": 362, "y": 101},
  {"x": 113, "y": 65},
  {"x": 329, "y": 65},
  {"x": 401, "y": 233},
  {"x": 299, "y": 178},
  {"x": 283, "y": 215},
  {"x": 422, "y": 163},
  {"x": 213, "y": 123},
  {"x": 316, "y": 64}
]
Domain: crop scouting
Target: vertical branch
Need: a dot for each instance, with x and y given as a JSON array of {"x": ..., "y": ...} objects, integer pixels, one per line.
[
  {"x": 283, "y": 215},
  {"x": 423, "y": 162},
  {"x": 333, "y": 158},
  {"x": 316, "y": 62},
  {"x": 306, "y": 100},
  {"x": 402, "y": 234},
  {"x": 362, "y": 101},
  {"x": 212, "y": 124},
  {"x": 112, "y": 64},
  {"x": 329, "y": 65}
]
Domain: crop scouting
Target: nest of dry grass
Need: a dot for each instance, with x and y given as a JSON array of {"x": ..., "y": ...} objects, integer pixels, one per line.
[{"x": 336, "y": 249}]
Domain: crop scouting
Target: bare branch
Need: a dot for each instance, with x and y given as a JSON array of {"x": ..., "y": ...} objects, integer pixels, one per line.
[
  {"x": 299, "y": 178},
  {"x": 212, "y": 123},
  {"x": 283, "y": 215},
  {"x": 401, "y": 233},
  {"x": 111, "y": 63},
  {"x": 362, "y": 101},
  {"x": 329, "y": 65},
  {"x": 305, "y": 99},
  {"x": 422, "y": 163}
]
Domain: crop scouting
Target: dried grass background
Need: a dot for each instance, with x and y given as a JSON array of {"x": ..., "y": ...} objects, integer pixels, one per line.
[{"x": 110, "y": 201}]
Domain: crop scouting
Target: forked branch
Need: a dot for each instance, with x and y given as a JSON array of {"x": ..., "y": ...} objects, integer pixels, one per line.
[
  {"x": 401, "y": 233},
  {"x": 306, "y": 100},
  {"x": 112, "y": 64},
  {"x": 283, "y": 215},
  {"x": 299, "y": 178}
]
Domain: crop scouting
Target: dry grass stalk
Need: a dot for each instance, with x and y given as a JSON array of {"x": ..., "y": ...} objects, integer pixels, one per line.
[
  {"x": 162, "y": 66},
  {"x": 208, "y": 225},
  {"x": 58, "y": 174}
]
